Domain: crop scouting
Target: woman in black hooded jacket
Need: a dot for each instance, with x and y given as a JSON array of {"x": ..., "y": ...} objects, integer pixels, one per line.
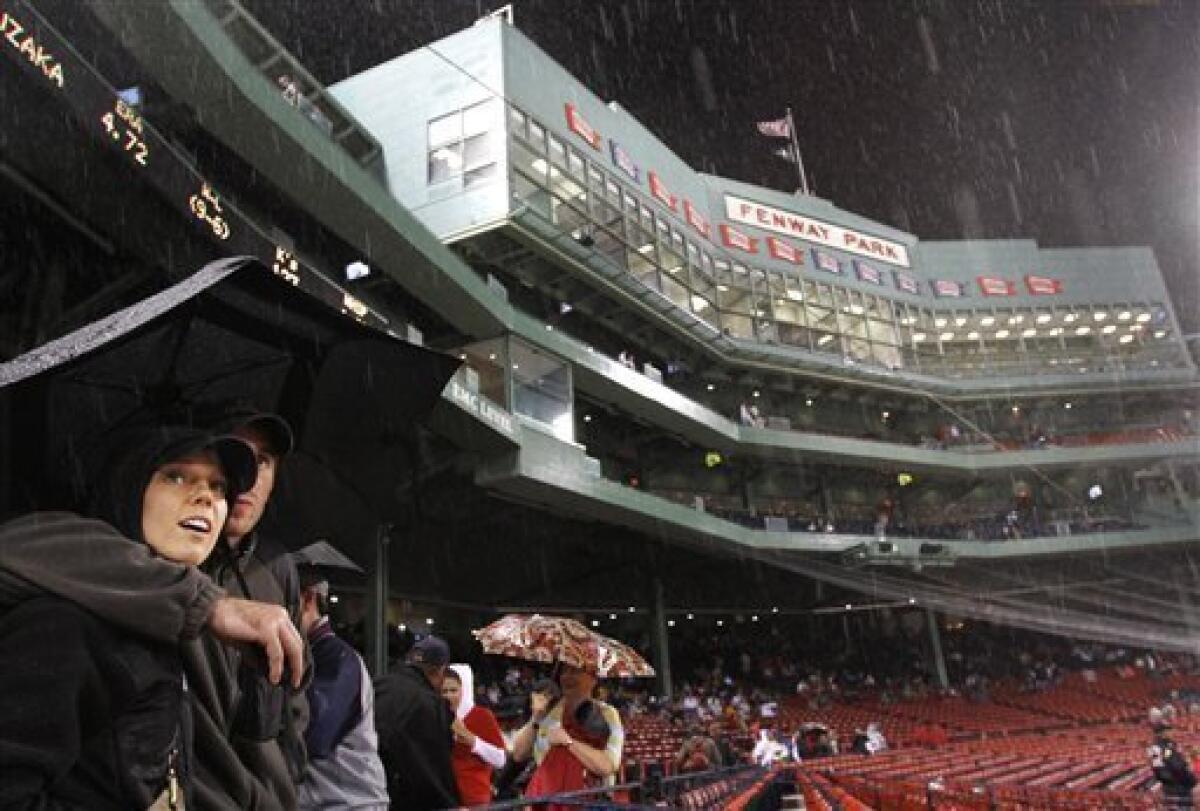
[{"x": 92, "y": 717}]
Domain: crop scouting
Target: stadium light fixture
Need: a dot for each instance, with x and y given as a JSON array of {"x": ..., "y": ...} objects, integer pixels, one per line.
[
  {"x": 402, "y": 627},
  {"x": 691, "y": 616},
  {"x": 356, "y": 271},
  {"x": 595, "y": 623},
  {"x": 1109, "y": 329},
  {"x": 631, "y": 609},
  {"x": 939, "y": 322},
  {"x": 1082, "y": 330},
  {"x": 947, "y": 336},
  {"x": 754, "y": 618},
  {"x": 809, "y": 402},
  {"x": 710, "y": 386},
  {"x": 670, "y": 623},
  {"x": 720, "y": 623},
  {"x": 1142, "y": 318},
  {"x": 1099, "y": 315},
  {"x": 1001, "y": 334},
  {"x": 987, "y": 321},
  {"x": 1069, "y": 318},
  {"x": 1029, "y": 332},
  {"x": 1016, "y": 319},
  {"x": 918, "y": 337},
  {"x": 972, "y": 336},
  {"x": 757, "y": 393},
  {"x": 429, "y": 620},
  {"x": 1067, "y": 405},
  {"x": 849, "y": 606},
  {"x": 587, "y": 417},
  {"x": 1016, "y": 409},
  {"x": 1056, "y": 331},
  {"x": 775, "y": 609},
  {"x": 1160, "y": 333},
  {"x": 1045, "y": 318},
  {"x": 333, "y": 599},
  {"x": 960, "y": 322},
  {"x": 1124, "y": 339},
  {"x": 612, "y": 616},
  {"x": 1124, "y": 315}
]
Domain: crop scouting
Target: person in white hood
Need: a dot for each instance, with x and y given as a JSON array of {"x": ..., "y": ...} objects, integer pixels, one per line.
[
  {"x": 876, "y": 743},
  {"x": 478, "y": 742}
]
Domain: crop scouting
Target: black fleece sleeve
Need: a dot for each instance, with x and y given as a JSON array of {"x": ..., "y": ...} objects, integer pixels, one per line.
[{"x": 90, "y": 564}]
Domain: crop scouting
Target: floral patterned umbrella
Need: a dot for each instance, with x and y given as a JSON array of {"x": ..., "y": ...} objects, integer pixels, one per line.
[{"x": 537, "y": 638}]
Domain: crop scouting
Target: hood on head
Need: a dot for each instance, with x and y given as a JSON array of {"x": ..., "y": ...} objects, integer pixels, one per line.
[
  {"x": 118, "y": 488},
  {"x": 467, "y": 679}
]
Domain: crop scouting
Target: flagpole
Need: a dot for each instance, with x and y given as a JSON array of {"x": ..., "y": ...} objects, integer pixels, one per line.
[{"x": 796, "y": 149}]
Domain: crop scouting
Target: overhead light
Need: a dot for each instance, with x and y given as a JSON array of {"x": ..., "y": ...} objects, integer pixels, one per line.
[
  {"x": 333, "y": 599},
  {"x": 1136, "y": 327},
  {"x": 587, "y": 417},
  {"x": 939, "y": 322},
  {"x": 1045, "y": 318},
  {"x": 720, "y": 623},
  {"x": 710, "y": 386},
  {"x": 1069, "y": 318},
  {"x": 1109, "y": 329},
  {"x": 402, "y": 627},
  {"x": 691, "y": 616},
  {"x": 1016, "y": 319},
  {"x": 973, "y": 335},
  {"x": 912, "y": 600},
  {"x": 1124, "y": 315},
  {"x": 549, "y": 328},
  {"x": 918, "y": 337},
  {"x": 670, "y": 623},
  {"x": 491, "y": 356},
  {"x": 429, "y": 620},
  {"x": 462, "y": 355},
  {"x": 824, "y": 339},
  {"x": 539, "y": 166},
  {"x": 855, "y": 309},
  {"x": 754, "y": 618},
  {"x": 1142, "y": 318},
  {"x": 1067, "y": 405},
  {"x": 516, "y": 366},
  {"x": 699, "y": 303},
  {"x": 886, "y": 414},
  {"x": 631, "y": 609},
  {"x": 849, "y": 607},
  {"x": 1082, "y": 330},
  {"x": 357, "y": 270},
  {"x": 947, "y": 336},
  {"x": 1125, "y": 339},
  {"x": 808, "y": 402},
  {"x": 756, "y": 393},
  {"x": 1002, "y": 333},
  {"x": 987, "y": 321},
  {"x": 1056, "y": 331},
  {"x": 1099, "y": 315},
  {"x": 1160, "y": 333},
  {"x": 795, "y": 295},
  {"x": 960, "y": 322},
  {"x": 647, "y": 248},
  {"x": 1028, "y": 332},
  {"x": 612, "y": 616},
  {"x": 595, "y": 623},
  {"x": 1016, "y": 409},
  {"x": 775, "y": 609},
  {"x": 907, "y": 321},
  {"x": 724, "y": 288}
]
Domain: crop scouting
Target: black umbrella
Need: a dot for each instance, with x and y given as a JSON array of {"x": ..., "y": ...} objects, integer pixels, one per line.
[
  {"x": 232, "y": 331},
  {"x": 324, "y": 555}
]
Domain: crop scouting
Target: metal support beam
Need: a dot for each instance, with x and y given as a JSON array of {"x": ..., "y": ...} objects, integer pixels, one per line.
[
  {"x": 377, "y": 603},
  {"x": 659, "y": 640},
  {"x": 935, "y": 645}
]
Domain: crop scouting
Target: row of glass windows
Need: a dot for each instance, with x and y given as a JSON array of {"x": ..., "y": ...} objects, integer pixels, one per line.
[
  {"x": 462, "y": 149},
  {"x": 585, "y": 200}
]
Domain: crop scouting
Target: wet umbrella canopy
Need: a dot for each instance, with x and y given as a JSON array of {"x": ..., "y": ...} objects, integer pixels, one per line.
[
  {"x": 549, "y": 640},
  {"x": 230, "y": 332}
]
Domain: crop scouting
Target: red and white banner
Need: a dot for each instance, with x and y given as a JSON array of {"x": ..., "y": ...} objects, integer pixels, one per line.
[
  {"x": 826, "y": 261},
  {"x": 993, "y": 286},
  {"x": 1043, "y": 286},
  {"x": 662, "y": 192},
  {"x": 779, "y": 128},
  {"x": 784, "y": 250},
  {"x": 791, "y": 224},
  {"x": 581, "y": 127},
  {"x": 867, "y": 272},
  {"x": 945, "y": 288},
  {"x": 733, "y": 238},
  {"x": 695, "y": 220}
]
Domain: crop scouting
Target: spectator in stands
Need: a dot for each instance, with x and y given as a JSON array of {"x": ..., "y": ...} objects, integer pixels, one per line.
[
  {"x": 94, "y": 716},
  {"x": 344, "y": 769},
  {"x": 728, "y": 757},
  {"x": 697, "y": 753},
  {"x": 478, "y": 744},
  {"x": 414, "y": 723},
  {"x": 1169, "y": 764},
  {"x": 577, "y": 741}
]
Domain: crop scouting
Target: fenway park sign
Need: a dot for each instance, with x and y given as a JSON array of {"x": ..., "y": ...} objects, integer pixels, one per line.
[{"x": 810, "y": 230}]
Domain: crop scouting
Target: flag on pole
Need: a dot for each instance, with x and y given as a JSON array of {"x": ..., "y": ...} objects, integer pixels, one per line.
[{"x": 780, "y": 128}]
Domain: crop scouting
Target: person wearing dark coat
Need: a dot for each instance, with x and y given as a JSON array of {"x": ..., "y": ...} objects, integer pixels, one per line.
[
  {"x": 1169, "y": 764},
  {"x": 94, "y": 717},
  {"x": 416, "y": 743}
]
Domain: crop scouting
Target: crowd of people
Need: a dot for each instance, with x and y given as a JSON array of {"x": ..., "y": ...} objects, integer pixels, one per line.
[{"x": 161, "y": 651}]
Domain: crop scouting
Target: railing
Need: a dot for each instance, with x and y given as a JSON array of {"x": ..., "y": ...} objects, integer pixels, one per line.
[{"x": 701, "y": 790}]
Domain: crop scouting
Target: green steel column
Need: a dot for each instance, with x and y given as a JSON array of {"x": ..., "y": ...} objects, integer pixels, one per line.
[
  {"x": 659, "y": 640},
  {"x": 935, "y": 643},
  {"x": 377, "y": 603}
]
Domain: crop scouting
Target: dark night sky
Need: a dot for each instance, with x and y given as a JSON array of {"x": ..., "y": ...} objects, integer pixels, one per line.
[{"x": 1073, "y": 122}]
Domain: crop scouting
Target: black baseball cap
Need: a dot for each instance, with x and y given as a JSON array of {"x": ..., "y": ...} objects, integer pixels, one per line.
[
  {"x": 227, "y": 416},
  {"x": 429, "y": 650}
]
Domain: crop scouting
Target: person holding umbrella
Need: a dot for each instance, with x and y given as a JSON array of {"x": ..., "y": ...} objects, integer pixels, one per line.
[
  {"x": 94, "y": 716},
  {"x": 576, "y": 741}
]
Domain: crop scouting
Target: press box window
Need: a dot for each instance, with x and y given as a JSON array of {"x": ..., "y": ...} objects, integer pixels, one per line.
[{"x": 461, "y": 146}]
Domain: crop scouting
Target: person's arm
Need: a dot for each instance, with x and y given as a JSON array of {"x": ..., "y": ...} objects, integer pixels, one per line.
[
  {"x": 92, "y": 565},
  {"x": 596, "y": 761},
  {"x": 522, "y": 748}
]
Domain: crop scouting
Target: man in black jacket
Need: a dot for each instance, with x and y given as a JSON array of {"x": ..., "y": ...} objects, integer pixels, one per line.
[
  {"x": 413, "y": 722},
  {"x": 1169, "y": 764}
]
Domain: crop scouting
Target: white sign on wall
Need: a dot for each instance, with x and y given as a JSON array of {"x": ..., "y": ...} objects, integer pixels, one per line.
[{"x": 811, "y": 230}]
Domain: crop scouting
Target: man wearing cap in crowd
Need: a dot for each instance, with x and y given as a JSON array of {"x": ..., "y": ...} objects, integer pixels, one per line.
[
  {"x": 344, "y": 770},
  {"x": 248, "y": 732},
  {"x": 1168, "y": 762},
  {"x": 414, "y": 722}
]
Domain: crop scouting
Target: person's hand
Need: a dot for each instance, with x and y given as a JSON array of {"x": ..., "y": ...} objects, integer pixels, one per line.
[
  {"x": 559, "y": 737},
  {"x": 265, "y": 625},
  {"x": 461, "y": 733},
  {"x": 538, "y": 704}
]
